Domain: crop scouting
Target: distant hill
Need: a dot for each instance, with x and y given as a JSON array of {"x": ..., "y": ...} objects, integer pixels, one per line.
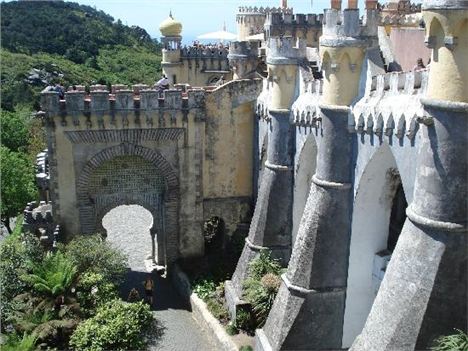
[
  {"x": 64, "y": 28},
  {"x": 49, "y": 41}
]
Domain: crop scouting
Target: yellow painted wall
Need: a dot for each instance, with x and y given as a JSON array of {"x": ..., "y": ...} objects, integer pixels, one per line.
[
  {"x": 342, "y": 68},
  {"x": 228, "y": 163},
  {"x": 448, "y": 78},
  {"x": 189, "y": 72}
]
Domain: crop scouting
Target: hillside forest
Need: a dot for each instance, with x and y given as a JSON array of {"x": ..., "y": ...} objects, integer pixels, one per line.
[{"x": 49, "y": 42}]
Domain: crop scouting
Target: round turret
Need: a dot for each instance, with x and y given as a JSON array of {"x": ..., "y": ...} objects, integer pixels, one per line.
[{"x": 170, "y": 27}]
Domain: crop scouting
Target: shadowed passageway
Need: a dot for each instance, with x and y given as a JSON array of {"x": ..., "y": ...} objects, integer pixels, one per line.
[{"x": 177, "y": 329}]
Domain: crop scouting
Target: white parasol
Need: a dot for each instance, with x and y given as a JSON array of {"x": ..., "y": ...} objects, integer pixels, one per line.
[{"x": 219, "y": 35}]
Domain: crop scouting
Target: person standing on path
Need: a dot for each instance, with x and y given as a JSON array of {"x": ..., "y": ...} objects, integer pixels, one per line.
[{"x": 149, "y": 286}]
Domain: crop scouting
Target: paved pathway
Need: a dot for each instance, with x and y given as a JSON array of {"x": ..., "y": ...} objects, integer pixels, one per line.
[{"x": 177, "y": 330}]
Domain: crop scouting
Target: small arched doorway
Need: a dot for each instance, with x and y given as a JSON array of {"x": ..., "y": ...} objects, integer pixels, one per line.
[
  {"x": 379, "y": 212},
  {"x": 128, "y": 227}
]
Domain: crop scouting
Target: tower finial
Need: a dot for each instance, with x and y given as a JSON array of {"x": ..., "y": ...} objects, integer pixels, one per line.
[
  {"x": 284, "y": 4},
  {"x": 170, "y": 13}
]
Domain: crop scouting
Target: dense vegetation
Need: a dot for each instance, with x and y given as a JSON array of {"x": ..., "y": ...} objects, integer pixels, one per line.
[
  {"x": 61, "y": 299},
  {"x": 46, "y": 42},
  {"x": 50, "y": 298},
  {"x": 74, "y": 31}
]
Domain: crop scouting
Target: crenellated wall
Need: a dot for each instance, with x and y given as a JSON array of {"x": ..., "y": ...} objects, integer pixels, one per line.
[
  {"x": 308, "y": 27},
  {"x": 167, "y": 135}
]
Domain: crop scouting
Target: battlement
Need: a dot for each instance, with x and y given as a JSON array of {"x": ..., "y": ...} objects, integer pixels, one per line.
[
  {"x": 286, "y": 50},
  {"x": 243, "y": 49},
  {"x": 347, "y": 24},
  {"x": 38, "y": 220},
  {"x": 402, "y": 7},
  {"x": 281, "y": 18},
  {"x": 254, "y": 10},
  {"x": 278, "y": 24},
  {"x": 35, "y": 213},
  {"x": 195, "y": 52},
  {"x": 140, "y": 98},
  {"x": 306, "y": 111},
  {"x": 392, "y": 105},
  {"x": 407, "y": 20},
  {"x": 400, "y": 82}
]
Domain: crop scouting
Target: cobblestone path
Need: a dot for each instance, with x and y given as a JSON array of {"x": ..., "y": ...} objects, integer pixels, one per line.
[{"x": 128, "y": 228}]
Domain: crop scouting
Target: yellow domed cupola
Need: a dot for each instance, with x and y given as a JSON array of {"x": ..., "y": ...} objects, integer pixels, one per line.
[{"x": 170, "y": 27}]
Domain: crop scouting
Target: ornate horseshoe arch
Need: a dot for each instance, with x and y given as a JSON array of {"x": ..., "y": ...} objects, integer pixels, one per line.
[{"x": 150, "y": 181}]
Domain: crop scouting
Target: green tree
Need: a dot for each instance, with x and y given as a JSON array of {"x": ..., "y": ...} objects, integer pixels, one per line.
[
  {"x": 14, "y": 131},
  {"x": 18, "y": 184}
]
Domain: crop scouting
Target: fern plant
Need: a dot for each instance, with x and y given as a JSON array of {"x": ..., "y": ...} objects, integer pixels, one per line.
[
  {"x": 264, "y": 264},
  {"x": 38, "y": 316},
  {"x": 15, "y": 343},
  {"x": 53, "y": 277},
  {"x": 454, "y": 342}
]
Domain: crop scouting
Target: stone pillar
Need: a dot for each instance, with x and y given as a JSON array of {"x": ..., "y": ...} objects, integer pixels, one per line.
[
  {"x": 271, "y": 224},
  {"x": 243, "y": 59},
  {"x": 424, "y": 292},
  {"x": 309, "y": 309}
]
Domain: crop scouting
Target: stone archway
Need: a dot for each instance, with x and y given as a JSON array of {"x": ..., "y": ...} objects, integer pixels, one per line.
[
  {"x": 131, "y": 174},
  {"x": 129, "y": 228},
  {"x": 378, "y": 215}
]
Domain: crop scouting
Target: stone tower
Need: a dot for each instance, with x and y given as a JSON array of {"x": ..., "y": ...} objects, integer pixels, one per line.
[
  {"x": 243, "y": 59},
  {"x": 251, "y": 20},
  {"x": 171, "y": 39},
  {"x": 424, "y": 291},
  {"x": 309, "y": 309},
  {"x": 271, "y": 224}
]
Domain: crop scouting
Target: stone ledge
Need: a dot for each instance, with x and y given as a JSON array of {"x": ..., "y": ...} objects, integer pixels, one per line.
[{"x": 200, "y": 312}]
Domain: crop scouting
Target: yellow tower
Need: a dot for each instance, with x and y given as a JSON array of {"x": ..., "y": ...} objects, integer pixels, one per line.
[
  {"x": 283, "y": 56},
  {"x": 171, "y": 39},
  {"x": 447, "y": 36},
  {"x": 342, "y": 49}
]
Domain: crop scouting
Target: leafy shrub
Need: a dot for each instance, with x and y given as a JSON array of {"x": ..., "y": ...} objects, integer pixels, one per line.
[
  {"x": 264, "y": 264},
  {"x": 90, "y": 253},
  {"x": 217, "y": 309},
  {"x": 47, "y": 323},
  {"x": 231, "y": 329},
  {"x": 17, "y": 254},
  {"x": 454, "y": 342},
  {"x": 117, "y": 325},
  {"x": 261, "y": 294},
  {"x": 204, "y": 288},
  {"x": 246, "y": 348},
  {"x": 15, "y": 343},
  {"x": 92, "y": 291},
  {"x": 244, "y": 320},
  {"x": 261, "y": 286}
]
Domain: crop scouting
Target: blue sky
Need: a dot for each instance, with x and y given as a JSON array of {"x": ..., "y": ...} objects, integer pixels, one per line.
[{"x": 197, "y": 16}]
